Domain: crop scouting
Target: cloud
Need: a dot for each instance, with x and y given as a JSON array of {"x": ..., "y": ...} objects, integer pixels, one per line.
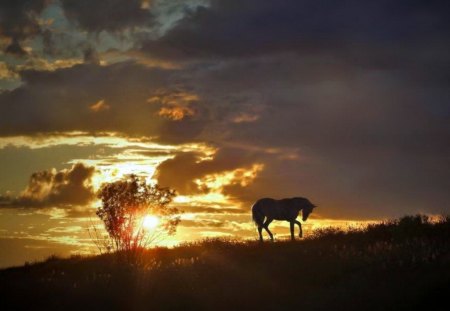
[
  {"x": 19, "y": 20},
  {"x": 241, "y": 176},
  {"x": 91, "y": 56},
  {"x": 348, "y": 130},
  {"x": 203, "y": 223},
  {"x": 58, "y": 188},
  {"x": 175, "y": 105},
  {"x": 175, "y": 113},
  {"x": 188, "y": 175},
  {"x": 55, "y": 101},
  {"x": 101, "y": 105},
  {"x": 179, "y": 173},
  {"x": 244, "y": 117},
  {"x": 111, "y": 15},
  {"x": 61, "y": 97},
  {"x": 6, "y": 72},
  {"x": 42, "y": 64},
  {"x": 211, "y": 210},
  {"x": 227, "y": 28}
]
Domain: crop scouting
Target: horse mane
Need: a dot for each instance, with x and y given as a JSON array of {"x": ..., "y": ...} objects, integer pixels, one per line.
[{"x": 303, "y": 200}]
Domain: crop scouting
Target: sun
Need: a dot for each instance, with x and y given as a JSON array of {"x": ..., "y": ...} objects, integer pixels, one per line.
[{"x": 150, "y": 222}]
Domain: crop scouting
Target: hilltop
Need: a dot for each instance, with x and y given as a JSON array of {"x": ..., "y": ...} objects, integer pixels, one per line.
[{"x": 401, "y": 264}]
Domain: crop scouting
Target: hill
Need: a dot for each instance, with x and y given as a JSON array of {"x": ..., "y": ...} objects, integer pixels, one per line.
[{"x": 397, "y": 265}]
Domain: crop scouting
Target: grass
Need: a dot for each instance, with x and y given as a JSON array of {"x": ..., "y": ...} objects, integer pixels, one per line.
[{"x": 402, "y": 264}]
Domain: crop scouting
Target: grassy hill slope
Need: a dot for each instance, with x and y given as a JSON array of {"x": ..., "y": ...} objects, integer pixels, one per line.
[{"x": 398, "y": 265}]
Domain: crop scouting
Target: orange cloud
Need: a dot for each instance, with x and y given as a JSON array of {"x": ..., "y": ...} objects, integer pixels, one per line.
[
  {"x": 175, "y": 105},
  {"x": 101, "y": 105},
  {"x": 43, "y": 64},
  {"x": 242, "y": 176},
  {"x": 175, "y": 113},
  {"x": 245, "y": 117}
]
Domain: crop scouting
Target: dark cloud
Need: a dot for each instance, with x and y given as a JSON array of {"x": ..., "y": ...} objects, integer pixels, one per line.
[
  {"x": 60, "y": 101},
  {"x": 249, "y": 28},
  {"x": 48, "y": 42},
  {"x": 19, "y": 20},
  {"x": 181, "y": 171},
  {"x": 368, "y": 183},
  {"x": 58, "y": 188},
  {"x": 331, "y": 106},
  {"x": 358, "y": 134},
  {"x": 110, "y": 15},
  {"x": 91, "y": 56},
  {"x": 15, "y": 48}
]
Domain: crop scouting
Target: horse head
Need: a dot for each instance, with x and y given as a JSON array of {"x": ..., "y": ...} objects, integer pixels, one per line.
[{"x": 306, "y": 206}]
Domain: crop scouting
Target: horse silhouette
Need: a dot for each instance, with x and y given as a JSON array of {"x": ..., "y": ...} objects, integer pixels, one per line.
[{"x": 264, "y": 211}]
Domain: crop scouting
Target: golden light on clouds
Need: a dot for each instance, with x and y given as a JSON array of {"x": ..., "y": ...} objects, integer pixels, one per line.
[
  {"x": 109, "y": 139},
  {"x": 112, "y": 172},
  {"x": 175, "y": 113},
  {"x": 101, "y": 105},
  {"x": 175, "y": 105},
  {"x": 213, "y": 184},
  {"x": 245, "y": 118},
  {"x": 43, "y": 64},
  {"x": 166, "y": 97},
  {"x": 72, "y": 138},
  {"x": 140, "y": 58},
  {"x": 211, "y": 198},
  {"x": 6, "y": 72},
  {"x": 124, "y": 156},
  {"x": 240, "y": 176}
]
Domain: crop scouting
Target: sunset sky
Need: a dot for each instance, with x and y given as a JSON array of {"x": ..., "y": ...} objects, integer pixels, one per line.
[{"x": 346, "y": 103}]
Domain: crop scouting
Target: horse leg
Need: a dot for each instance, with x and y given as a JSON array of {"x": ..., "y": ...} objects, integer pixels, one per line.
[
  {"x": 266, "y": 226},
  {"x": 300, "y": 226},
  {"x": 292, "y": 230},
  {"x": 260, "y": 233}
]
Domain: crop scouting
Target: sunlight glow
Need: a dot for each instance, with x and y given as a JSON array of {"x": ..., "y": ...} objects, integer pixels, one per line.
[
  {"x": 150, "y": 222},
  {"x": 119, "y": 155},
  {"x": 241, "y": 176},
  {"x": 115, "y": 140}
]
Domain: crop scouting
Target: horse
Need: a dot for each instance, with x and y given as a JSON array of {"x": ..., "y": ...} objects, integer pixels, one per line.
[{"x": 264, "y": 211}]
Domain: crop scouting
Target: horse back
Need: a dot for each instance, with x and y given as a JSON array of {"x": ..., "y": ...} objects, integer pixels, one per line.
[{"x": 277, "y": 209}]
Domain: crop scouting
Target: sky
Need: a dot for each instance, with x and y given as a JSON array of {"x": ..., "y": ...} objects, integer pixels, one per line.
[{"x": 346, "y": 103}]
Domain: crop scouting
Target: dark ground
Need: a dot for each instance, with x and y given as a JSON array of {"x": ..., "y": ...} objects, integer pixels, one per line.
[{"x": 398, "y": 265}]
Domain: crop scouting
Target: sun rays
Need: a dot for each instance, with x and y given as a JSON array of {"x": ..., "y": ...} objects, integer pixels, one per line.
[{"x": 150, "y": 222}]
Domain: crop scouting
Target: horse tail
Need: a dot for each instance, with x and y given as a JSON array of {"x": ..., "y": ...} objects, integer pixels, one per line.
[{"x": 257, "y": 214}]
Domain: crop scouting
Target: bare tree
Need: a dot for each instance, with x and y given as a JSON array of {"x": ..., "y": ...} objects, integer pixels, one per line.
[{"x": 125, "y": 203}]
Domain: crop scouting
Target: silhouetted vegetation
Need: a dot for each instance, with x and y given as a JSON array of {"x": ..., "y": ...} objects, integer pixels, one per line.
[
  {"x": 397, "y": 265},
  {"x": 125, "y": 203}
]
